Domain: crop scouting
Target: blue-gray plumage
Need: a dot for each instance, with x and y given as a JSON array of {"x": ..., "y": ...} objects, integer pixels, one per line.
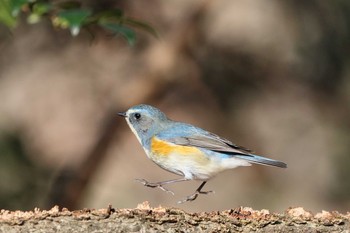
[{"x": 186, "y": 150}]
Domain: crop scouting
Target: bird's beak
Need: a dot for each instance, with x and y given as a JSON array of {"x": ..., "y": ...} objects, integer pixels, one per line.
[{"x": 123, "y": 114}]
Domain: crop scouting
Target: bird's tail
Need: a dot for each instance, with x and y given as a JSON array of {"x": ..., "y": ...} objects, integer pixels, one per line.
[{"x": 261, "y": 160}]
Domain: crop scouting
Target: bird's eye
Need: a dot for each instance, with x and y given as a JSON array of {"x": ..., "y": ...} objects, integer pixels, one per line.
[{"x": 137, "y": 116}]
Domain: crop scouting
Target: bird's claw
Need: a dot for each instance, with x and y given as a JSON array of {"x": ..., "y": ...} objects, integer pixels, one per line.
[
  {"x": 194, "y": 196},
  {"x": 154, "y": 185}
]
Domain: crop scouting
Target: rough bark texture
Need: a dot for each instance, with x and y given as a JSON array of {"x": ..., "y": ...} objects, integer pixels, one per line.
[{"x": 146, "y": 219}]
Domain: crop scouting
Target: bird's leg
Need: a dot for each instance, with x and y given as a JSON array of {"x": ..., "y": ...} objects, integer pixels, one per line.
[
  {"x": 195, "y": 194},
  {"x": 160, "y": 184}
]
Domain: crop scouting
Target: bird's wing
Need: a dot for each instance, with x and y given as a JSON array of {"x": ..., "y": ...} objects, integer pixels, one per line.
[{"x": 206, "y": 140}]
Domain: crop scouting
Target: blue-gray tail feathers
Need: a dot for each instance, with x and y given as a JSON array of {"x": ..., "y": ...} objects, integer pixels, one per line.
[{"x": 262, "y": 160}]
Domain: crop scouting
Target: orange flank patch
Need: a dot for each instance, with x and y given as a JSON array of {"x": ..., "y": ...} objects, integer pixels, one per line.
[{"x": 163, "y": 148}]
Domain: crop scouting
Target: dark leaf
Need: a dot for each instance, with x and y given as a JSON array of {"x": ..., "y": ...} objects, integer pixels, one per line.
[
  {"x": 109, "y": 15},
  {"x": 126, "y": 32},
  {"x": 142, "y": 25},
  {"x": 74, "y": 19}
]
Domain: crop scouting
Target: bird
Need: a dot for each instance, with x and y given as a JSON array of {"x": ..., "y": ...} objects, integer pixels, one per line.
[{"x": 186, "y": 150}]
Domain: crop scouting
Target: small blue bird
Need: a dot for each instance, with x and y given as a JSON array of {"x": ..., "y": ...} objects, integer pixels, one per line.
[{"x": 186, "y": 150}]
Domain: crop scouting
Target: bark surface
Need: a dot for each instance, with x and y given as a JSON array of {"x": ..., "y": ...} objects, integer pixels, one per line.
[{"x": 147, "y": 219}]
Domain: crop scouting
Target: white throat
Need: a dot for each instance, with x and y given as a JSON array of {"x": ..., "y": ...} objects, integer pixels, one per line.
[
  {"x": 131, "y": 127},
  {"x": 134, "y": 131}
]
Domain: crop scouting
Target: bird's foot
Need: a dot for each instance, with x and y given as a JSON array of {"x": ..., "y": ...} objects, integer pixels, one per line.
[
  {"x": 155, "y": 185},
  {"x": 194, "y": 196}
]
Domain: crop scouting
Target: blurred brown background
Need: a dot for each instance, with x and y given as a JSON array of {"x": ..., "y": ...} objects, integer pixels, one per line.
[{"x": 272, "y": 76}]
